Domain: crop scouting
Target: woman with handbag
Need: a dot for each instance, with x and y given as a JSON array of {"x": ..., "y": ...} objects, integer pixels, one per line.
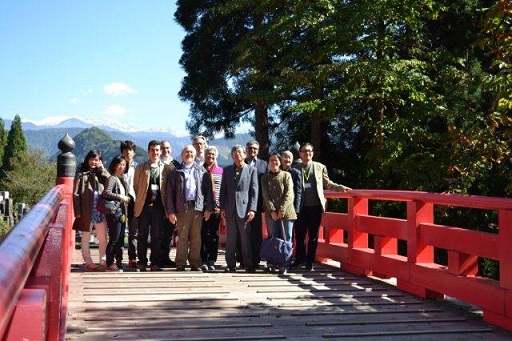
[
  {"x": 278, "y": 197},
  {"x": 117, "y": 191},
  {"x": 87, "y": 187}
]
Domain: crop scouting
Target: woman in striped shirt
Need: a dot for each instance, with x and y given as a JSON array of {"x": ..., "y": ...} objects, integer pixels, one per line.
[{"x": 210, "y": 228}]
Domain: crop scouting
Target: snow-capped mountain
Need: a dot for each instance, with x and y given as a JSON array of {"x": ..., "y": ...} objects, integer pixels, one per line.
[{"x": 106, "y": 124}]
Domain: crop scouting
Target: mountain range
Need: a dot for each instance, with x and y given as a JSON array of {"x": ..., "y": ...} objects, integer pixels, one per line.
[{"x": 46, "y": 137}]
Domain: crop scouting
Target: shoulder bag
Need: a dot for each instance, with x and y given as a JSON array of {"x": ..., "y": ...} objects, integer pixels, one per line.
[{"x": 277, "y": 251}]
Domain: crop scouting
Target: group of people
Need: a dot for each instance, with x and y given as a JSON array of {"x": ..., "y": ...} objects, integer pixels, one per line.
[{"x": 162, "y": 197}]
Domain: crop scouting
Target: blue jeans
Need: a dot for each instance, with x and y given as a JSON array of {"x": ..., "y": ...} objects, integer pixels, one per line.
[{"x": 274, "y": 229}]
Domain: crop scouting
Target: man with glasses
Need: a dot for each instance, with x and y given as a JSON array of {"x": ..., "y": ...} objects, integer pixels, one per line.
[
  {"x": 200, "y": 145},
  {"x": 237, "y": 200},
  {"x": 256, "y": 235},
  {"x": 314, "y": 180}
]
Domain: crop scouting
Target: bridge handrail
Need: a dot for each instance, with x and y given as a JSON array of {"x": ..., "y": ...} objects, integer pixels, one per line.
[
  {"x": 20, "y": 249},
  {"x": 470, "y": 201},
  {"x": 344, "y": 237},
  {"x": 35, "y": 261}
]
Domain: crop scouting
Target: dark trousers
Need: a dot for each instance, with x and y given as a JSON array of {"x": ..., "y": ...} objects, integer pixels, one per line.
[
  {"x": 238, "y": 229},
  {"x": 151, "y": 219},
  {"x": 132, "y": 232},
  {"x": 308, "y": 223},
  {"x": 115, "y": 238},
  {"x": 255, "y": 238},
  {"x": 167, "y": 232},
  {"x": 210, "y": 239}
]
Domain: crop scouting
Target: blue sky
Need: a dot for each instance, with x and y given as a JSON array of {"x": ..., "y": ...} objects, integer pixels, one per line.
[{"x": 108, "y": 59}]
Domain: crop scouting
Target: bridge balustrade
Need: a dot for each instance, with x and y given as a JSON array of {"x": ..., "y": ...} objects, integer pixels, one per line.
[
  {"x": 345, "y": 237},
  {"x": 35, "y": 261}
]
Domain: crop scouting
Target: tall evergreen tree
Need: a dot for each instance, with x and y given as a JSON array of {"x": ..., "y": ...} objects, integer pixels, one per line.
[
  {"x": 390, "y": 92},
  {"x": 217, "y": 87},
  {"x": 3, "y": 139},
  {"x": 16, "y": 145}
]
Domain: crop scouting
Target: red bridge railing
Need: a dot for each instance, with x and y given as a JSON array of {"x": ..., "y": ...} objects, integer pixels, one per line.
[
  {"x": 417, "y": 272},
  {"x": 35, "y": 260}
]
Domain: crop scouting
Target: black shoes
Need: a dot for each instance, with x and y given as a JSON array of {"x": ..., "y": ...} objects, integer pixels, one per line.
[
  {"x": 230, "y": 269},
  {"x": 308, "y": 266},
  {"x": 155, "y": 268},
  {"x": 168, "y": 264},
  {"x": 296, "y": 264}
]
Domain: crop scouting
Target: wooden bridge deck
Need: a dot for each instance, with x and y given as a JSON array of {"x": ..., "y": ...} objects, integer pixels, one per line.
[{"x": 300, "y": 305}]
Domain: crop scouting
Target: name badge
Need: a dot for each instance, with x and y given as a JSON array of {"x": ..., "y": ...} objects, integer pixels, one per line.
[
  {"x": 307, "y": 185},
  {"x": 154, "y": 187}
]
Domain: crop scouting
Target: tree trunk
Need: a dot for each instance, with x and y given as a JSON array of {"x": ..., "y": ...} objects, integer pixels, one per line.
[
  {"x": 261, "y": 129},
  {"x": 316, "y": 134}
]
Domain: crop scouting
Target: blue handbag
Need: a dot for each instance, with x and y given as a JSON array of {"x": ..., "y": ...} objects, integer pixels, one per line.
[{"x": 277, "y": 251}]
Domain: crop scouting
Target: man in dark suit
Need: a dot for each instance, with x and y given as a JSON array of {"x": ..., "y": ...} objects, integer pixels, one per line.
[
  {"x": 252, "y": 149},
  {"x": 238, "y": 203}
]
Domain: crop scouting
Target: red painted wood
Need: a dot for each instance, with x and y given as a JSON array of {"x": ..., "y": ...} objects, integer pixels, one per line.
[
  {"x": 383, "y": 226},
  {"x": 29, "y": 319},
  {"x": 505, "y": 249},
  {"x": 461, "y": 240},
  {"x": 36, "y": 255},
  {"x": 417, "y": 273}
]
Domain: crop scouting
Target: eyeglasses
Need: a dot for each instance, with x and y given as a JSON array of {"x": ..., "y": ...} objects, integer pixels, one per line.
[
  {"x": 307, "y": 151},
  {"x": 252, "y": 148}
]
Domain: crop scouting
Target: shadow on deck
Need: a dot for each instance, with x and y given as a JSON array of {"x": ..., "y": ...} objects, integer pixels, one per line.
[{"x": 300, "y": 305}]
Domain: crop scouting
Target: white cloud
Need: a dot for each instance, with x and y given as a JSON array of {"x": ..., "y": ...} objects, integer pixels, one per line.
[
  {"x": 74, "y": 100},
  {"x": 115, "y": 111},
  {"x": 118, "y": 89}
]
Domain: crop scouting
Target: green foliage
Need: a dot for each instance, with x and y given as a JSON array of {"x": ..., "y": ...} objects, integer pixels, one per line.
[
  {"x": 4, "y": 229},
  {"x": 3, "y": 139},
  {"x": 209, "y": 87},
  {"x": 393, "y": 94},
  {"x": 30, "y": 177},
  {"x": 16, "y": 145}
]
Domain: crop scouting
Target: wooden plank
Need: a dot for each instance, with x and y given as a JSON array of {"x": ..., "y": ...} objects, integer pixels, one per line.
[{"x": 301, "y": 305}]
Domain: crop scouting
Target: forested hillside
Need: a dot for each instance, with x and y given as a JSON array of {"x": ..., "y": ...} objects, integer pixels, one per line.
[{"x": 108, "y": 142}]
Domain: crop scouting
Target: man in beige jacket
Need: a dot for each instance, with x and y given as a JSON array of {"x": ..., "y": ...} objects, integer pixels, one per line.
[
  {"x": 149, "y": 183},
  {"x": 314, "y": 180}
]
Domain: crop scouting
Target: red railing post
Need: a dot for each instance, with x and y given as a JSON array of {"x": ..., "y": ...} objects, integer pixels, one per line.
[
  {"x": 462, "y": 263},
  {"x": 356, "y": 239},
  {"x": 505, "y": 239},
  {"x": 418, "y": 212},
  {"x": 66, "y": 169}
]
